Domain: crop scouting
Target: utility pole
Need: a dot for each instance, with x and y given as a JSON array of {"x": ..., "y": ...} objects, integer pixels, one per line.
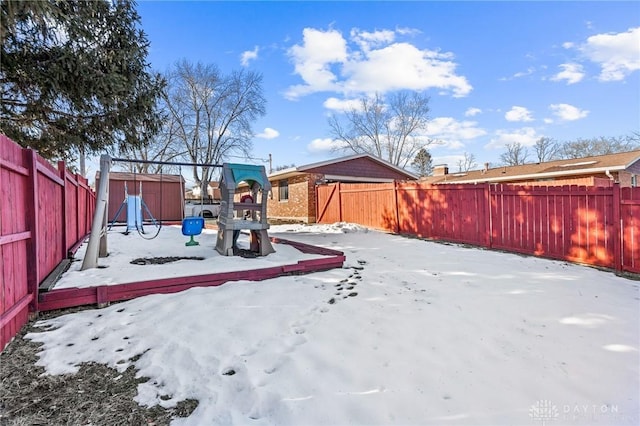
[{"x": 270, "y": 164}]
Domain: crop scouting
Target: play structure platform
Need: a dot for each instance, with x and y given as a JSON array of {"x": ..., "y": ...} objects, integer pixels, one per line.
[{"x": 102, "y": 295}]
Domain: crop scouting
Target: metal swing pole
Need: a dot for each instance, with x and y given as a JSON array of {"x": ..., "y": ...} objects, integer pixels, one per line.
[{"x": 99, "y": 217}]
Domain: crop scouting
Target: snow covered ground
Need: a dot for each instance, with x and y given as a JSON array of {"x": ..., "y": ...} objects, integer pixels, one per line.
[{"x": 409, "y": 332}]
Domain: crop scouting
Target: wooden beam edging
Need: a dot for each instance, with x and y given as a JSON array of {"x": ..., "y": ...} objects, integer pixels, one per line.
[{"x": 70, "y": 297}]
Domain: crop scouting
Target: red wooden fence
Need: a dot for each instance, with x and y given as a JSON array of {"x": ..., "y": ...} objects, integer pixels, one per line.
[
  {"x": 594, "y": 225},
  {"x": 45, "y": 212}
]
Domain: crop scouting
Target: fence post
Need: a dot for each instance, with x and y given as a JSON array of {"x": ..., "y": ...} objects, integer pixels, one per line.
[
  {"x": 63, "y": 175},
  {"x": 33, "y": 266},
  {"x": 395, "y": 210},
  {"x": 339, "y": 202},
  {"x": 617, "y": 223},
  {"x": 78, "y": 189},
  {"x": 488, "y": 225}
]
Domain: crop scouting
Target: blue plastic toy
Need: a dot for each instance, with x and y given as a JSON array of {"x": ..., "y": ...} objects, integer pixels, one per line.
[{"x": 192, "y": 226}]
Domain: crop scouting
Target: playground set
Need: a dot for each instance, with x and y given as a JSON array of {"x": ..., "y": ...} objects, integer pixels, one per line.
[{"x": 238, "y": 213}]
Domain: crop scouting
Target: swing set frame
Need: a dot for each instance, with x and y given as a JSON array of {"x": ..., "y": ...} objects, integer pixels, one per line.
[{"x": 98, "y": 244}]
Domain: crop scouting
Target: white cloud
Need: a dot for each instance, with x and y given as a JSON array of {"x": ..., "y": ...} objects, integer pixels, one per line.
[
  {"x": 248, "y": 56},
  {"x": 450, "y": 132},
  {"x": 324, "y": 144},
  {"x": 518, "y": 113},
  {"x": 618, "y": 54},
  {"x": 342, "y": 104},
  {"x": 520, "y": 74},
  {"x": 568, "y": 112},
  {"x": 526, "y": 136},
  {"x": 371, "y": 62},
  {"x": 366, "y": 40},
  {"x": 268, "y": 133},
  {"x": 472, "y": 112},
  {"x": 313, "y": 58},
  {"x": 408, "y": 31},
  {"x": 571, "y": 72}
]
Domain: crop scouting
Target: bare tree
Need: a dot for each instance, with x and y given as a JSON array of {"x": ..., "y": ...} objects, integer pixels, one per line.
[
  {"x": 467, "y": 163},
  {"x": 389, "y": 129},
  {"x": 515, "y": 155},
  {"x": 547, "y": 149},
  {"x": 211, "y": 114},
  {"x": 423, "y": 163},
  {"x": 581, "y": 148}
]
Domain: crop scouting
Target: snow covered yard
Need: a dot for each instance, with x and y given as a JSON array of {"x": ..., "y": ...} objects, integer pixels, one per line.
[{"x": 409, "y": 332}]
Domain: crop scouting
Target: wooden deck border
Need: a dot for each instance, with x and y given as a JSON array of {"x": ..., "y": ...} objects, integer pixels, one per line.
[{"x": 103, "y": 294}]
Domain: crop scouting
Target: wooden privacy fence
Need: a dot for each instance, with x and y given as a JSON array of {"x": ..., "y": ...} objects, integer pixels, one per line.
[
  {"x": 595, "y": 225},
  {"x": 45, "y": 213}
]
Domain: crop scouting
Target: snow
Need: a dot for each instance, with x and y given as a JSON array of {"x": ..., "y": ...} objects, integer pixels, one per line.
[
  {"x": 167, "y": 241},
  {"x": 429, "y": 334}
]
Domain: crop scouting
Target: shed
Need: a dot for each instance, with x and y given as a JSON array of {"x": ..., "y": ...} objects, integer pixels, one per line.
[{"x": 163, "y": 194}]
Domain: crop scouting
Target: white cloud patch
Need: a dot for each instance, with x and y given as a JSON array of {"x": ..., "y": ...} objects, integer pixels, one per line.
[
  {"x": 324, "y": 145},
  {"x": 518, "y": 113},
  {"x": 617, "y": 54},
  {"x": 472, "y": 112},
  {"x": 248, "y": 56},
  {"x": 367, "y": 40},
  {"x": 571, "y": 72},
  {"x": 566, "y": 112},
  {"x": 526, "y": 136},
  {"x": 336, "y": 104},
  {"x": 451, "y": 133},
  {"x": 520, "y": 74},
  {"x": 313, "y": 61},
  {"x": 268, "y": 133},
  {"x": 370, "y": 62}
]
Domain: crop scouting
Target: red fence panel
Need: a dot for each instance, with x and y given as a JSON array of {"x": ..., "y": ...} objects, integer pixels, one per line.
[
  {"x": 42, "y": 215},
  {"x": 448, "y": 212},
  {"x": 630, "y": 227},
  {"x": 569, "y": 222},
  {"x": 594, "y": 225},
  {"x": 14, "y": 238},
  {"x": 51, "y": 232},
  {"x": 368, "y": 204}
]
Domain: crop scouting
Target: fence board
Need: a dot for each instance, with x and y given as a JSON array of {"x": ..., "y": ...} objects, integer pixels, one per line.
[{"x": 630, "y": 226}]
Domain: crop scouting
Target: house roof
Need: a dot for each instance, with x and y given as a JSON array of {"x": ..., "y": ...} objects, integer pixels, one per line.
[
  {"x": 294, "y": 171},
  {"x": 547, "y": 170}
]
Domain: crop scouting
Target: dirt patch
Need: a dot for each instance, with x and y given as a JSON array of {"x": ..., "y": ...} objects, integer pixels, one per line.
[
  {"x": 161, "y": 260},
  {"x": 96, "y": 394}
]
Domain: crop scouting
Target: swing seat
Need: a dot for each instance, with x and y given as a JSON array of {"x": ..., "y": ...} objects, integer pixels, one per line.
[{"x": 192, "y": 226}]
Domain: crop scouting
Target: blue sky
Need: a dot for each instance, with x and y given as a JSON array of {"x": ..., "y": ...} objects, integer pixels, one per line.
[{"x": 496, "y": 72}]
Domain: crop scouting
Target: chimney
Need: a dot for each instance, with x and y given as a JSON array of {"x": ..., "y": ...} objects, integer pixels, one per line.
[
  {"x": 440, "y": 170},
  {"x": 486, "y": 168}
]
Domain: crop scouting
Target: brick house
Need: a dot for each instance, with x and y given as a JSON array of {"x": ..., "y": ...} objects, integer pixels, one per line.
[
  {"x": 293, "y": 190},
  {"x": 601, "y": 170}
]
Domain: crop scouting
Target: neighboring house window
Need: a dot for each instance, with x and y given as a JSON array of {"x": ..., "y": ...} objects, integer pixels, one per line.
[
  {"x": 283, "y": 187},
  {"x": 634, "y": 180}
]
